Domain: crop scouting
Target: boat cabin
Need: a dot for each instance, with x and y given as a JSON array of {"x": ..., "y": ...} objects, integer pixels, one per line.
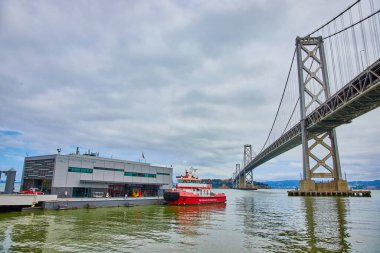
[{"x": 191, "y": 183}]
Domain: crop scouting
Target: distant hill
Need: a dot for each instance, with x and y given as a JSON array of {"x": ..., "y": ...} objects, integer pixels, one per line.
[
  {"x": 219, "y": 183},
  {"x": 370, "y": 185},
  {"x": 290, "y": 184},
  {"x": 285, "y": 184}
]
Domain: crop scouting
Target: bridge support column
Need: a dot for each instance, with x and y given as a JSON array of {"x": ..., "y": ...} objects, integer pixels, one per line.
[
  {"x": 319, "y": 148},
  {"x": 248, "y": 175},
  {"x": 237, "y": 181},
  {"x": 247, "y": 158},
  {"x": 241, "y": 182},
  {"x": 10, "y": 182}
]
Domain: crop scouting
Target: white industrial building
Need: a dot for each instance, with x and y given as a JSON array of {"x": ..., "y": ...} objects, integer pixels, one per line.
[{"x": 89, "y": 175}]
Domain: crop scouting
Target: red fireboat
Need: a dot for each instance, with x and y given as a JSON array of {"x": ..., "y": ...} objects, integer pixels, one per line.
[{"x": 190, "y": 190}]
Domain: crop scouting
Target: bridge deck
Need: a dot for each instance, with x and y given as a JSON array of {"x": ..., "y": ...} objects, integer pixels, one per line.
[{"x": 359, "y": 96}]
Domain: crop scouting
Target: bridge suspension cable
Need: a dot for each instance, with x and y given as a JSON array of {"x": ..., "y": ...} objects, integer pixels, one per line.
[
  {"x": 345, "y": 47},
  {"x": 291, "y": 116},
  {"x": 377, "y": 12},
  {"x": 282, "y": 97},
  {"x": 351, "y": 46},
  {"x": 352, "y": 42},
  {"x": 337, "y": 16}
]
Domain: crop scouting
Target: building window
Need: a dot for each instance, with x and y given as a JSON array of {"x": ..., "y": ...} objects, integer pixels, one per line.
[
  {"x": 148, "y": 175},
  {"x": 135, "y": 174},
  {"x": 81, "y": 192},
  {"x": 162, "y": 173},
  {"x": 42, "y": 173},
  {"x": 109, "y": 169},
  {"x": 80, "y": 170}
]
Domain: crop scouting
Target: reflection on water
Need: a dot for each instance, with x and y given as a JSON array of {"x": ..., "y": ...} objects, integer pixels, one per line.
[
  {"x": 116, "y": 229},
  {"x": 260, "y": 221},
  {"x": 320, "y": 226},
  {"x": 326, "y": 224},
  {"x": 28, "y": 232},
  {"x": 271, "y": 223},
  {"x": 190, "y": 218}
]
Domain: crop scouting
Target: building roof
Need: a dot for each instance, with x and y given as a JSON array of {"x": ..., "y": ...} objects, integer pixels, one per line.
[{"x": 84, "y": 156}]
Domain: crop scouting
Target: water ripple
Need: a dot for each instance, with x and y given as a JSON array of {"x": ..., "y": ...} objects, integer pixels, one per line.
[{"x": 255, "y": 221}]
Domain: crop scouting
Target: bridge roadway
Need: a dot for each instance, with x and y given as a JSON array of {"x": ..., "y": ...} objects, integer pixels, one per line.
[{"x": 359, "y": 96}]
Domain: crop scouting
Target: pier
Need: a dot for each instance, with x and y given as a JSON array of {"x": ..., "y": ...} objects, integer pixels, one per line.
[{"x": 296, "y": 193}]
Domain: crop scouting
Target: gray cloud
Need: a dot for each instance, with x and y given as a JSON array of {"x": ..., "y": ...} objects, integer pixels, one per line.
[{"x": 187, "y": 82}]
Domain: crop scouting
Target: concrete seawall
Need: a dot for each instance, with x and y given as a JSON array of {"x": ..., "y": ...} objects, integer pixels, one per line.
[
  {"x": 24, "y": 199},
  {"x": 72, "y": 203}
]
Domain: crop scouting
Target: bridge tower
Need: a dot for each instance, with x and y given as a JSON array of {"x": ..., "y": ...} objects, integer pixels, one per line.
[
  {"x": 319, "y": 149},
  {"x": 244, "y": 179},
  {"x": 10, "y": 182}
]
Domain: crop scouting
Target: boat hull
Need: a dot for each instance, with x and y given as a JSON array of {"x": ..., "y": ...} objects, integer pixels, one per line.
[{"x": 184, "y": 198}]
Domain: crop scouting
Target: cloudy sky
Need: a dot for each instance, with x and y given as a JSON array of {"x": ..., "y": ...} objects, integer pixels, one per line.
[{"x": 186, "y": 82}]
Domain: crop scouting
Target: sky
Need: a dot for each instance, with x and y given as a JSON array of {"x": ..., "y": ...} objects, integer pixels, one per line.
[{"x": 187, "y": 83}]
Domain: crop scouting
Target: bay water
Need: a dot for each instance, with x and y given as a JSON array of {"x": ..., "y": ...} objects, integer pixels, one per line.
[{"x": 250, "y": 221}]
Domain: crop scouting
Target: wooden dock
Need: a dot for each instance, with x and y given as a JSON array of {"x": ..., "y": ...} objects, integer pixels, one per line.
[{"x": 297, "y": 193}]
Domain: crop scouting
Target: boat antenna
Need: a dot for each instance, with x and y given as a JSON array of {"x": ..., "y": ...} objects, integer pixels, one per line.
[{"x": 193, "y": 171}]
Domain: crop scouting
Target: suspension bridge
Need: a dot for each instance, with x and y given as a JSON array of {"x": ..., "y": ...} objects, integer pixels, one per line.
[{"x": 333, "y": 78}]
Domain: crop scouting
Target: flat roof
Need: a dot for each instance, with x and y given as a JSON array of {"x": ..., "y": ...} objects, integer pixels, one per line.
[
  {"x": 83, "y": 156},
  {"x": 39, "y": 157}
]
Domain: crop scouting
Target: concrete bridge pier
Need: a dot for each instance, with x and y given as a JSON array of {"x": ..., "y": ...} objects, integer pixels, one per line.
[{"x": 336, "y": 185}]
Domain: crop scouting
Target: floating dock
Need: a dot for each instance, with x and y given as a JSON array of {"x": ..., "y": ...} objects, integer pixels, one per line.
[
  {"x": 296, "y": 193},
  {"x": 74, "y": 203}
]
